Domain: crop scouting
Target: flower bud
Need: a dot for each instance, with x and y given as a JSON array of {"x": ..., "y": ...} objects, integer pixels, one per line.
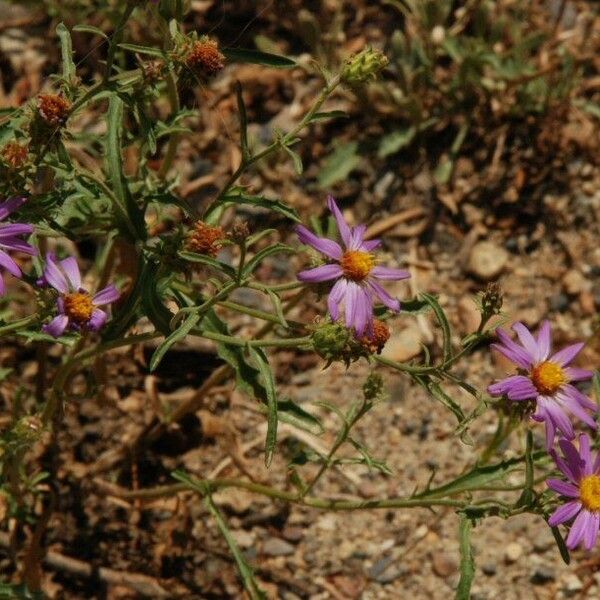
[
  {"x": 330, "y": 341},
  {"x": 373, "y": 387},
  {"x": 239, "y": 232},
  {"x": 205, "y": 239},
  {"x": 363, "y": 66}
]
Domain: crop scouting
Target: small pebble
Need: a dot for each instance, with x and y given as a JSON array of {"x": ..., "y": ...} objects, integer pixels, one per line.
[
  {"x": 542, "y": 575},
  {"x": 277, "y": 547},
  {"x": 443, "y": 565},
  {"x": 489, "y": 569},
  {"x": 571, "y": 584},
  {"x": 513, "y": 552},
  {"x": 487, "y": 260}
]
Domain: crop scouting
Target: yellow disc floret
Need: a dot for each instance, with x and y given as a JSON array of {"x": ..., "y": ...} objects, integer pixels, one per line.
[
  {"x": 589, "y": 492},
  {"x": 548, "y": 377},
  {"x": 357, "y": 265},
  {"x": 79, "y": 307}
]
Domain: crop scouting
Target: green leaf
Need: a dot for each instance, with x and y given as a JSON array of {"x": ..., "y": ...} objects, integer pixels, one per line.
[
  {"x": 260, "y": 360},
  {"x": 593, "y": 108},
  {"x": 253, "y": 263},
  {"x": 242, "y": 55},
  {"x": 290, "y": 412},
  {"x": 238, "y": 197},
  {"x": 339, "y": 164},
  {"x": 439, "y": 394},
  {"x": 90, "y": 29},
  {"x": 130, "y": 213},
  {"x": 443, "y": 171},
  {"x": 66, "y": 51},
  {"x": 179, "y": 334},
  {"x": 416, "y": 306},
  {"x": 560, "y": 544},
  {"x": 243, "y": 121},
  {"x": 330, "y": 114},
  {"x": 296, "y": 158},
  {"x": 143, "y": 50},
  {"x": 276, "y": 301},
  {"x": 209, "y": 261},
  {"x": 396, "y": 140},
  {"x": 444, "y": 324},
  {"x": 467, "y": 563}
]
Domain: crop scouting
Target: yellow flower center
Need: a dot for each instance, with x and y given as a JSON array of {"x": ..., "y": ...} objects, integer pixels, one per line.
[
  {"x": 589, "y": 492},
  {"x": 548, "y": 377},
  {"x": 79, "y": 307},
  {"x": 357, "y": 265}
]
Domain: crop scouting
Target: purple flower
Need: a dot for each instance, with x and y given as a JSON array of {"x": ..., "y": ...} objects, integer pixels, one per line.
[
  {"x": 582, "y": 489},
  {"x": 9, "y": 239},
  {"x": 77, "y": 308},
  {"x": 546, "y": 378},
  {"x": 355, "y": 271}
]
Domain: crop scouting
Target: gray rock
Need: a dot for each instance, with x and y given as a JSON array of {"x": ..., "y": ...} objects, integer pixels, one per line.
[
  {"x": 487, "y": 260},
  {"x": 542, "y": 575},
  {"x": 277, "y": 547},
  {"x": 489, "y": 569}
]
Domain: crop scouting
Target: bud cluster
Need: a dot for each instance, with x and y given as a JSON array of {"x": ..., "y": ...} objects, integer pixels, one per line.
[{"x": 364, "y": 66}]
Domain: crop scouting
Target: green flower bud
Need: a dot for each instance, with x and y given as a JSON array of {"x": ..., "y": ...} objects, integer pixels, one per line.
[
  {"x": 364, "y": 66},
  {"x": 373, "y": 387},
  {"x": 330, "y": 341}
]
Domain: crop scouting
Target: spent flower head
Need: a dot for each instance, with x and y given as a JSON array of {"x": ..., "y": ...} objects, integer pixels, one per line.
[
  {"x": 10, "y": 239},
  {"x": 354, "y": 270},
  {"x": 545, "y": 377},
  {"x": 14, "y": 154},
  {"x": 77, "y": 308},
  {"x": 205, "y": 239},
  {"x": 581, "y": 467},
  {"x": 54, "y": 109}
]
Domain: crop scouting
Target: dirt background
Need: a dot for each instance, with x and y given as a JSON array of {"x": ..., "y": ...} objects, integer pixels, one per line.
[{"x": 522, "y": 209}]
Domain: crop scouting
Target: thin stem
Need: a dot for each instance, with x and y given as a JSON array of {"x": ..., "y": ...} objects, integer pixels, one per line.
[
  {"x": 174, "y": 139},
  {"x": 16, "y": 325},
  {"x": 117, "y": 37},
  {"x": 263, "y": 343}
]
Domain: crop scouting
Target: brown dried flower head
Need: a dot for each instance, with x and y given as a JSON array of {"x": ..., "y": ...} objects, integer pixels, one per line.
[
  {"x": 205, "y": 239},
  {"x": 375, "y": 342},
  {"x": 54, "y": 109},
  {"x": 204, "y": 57},
  {"x": 14, "y": 154}
]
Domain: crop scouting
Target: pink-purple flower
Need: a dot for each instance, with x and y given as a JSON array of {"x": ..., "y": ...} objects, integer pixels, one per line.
[
  {"x": 77, "y": 308},
  {"x": 10, "y": 239},
  {"x": 582, "y": 469},
  {"x": 545, "y": 377},
  {"x": 355, "y": 271}
]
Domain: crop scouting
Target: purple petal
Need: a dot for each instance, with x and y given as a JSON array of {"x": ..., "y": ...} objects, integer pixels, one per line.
[
  {"x": 573, "y": 392},
  {"x": 566, "y": 355},
  {"x": 370, "y": 245},
  {"x": 544, "y": 340},
  {"x": 57, "y": 326},
  {"x": 343, "y": 227},
  {"x": 9, "y": 264},
  {"x": 516, "y": 387},
  {"x": 54, "y": 276},
  {"x": 97, "y": 320},
  {"x": 357, "y": 237},
  {"x": 10, "y": 206},
  {"x": 550, "y": 433},
  {"x": 391, "y": 303},
  {"x": 18, "y": 246},
  {"x": 558, "y": 417},
  {"x": 389, "y": 273},
  {"x": 591, "y": 532},
  {"x": 2, "y": 286},
  {"x": 513, "y": 351},
  {"x": 576, "y": 374},
  {"x": 71, "y": 270},
  {"x": 564, "y": 513},
  {"x": 338, "y": 291},
  {"x": 328, "y": 247},
  {"x": 109, "y": 294},
  {"x": 564, "y": 488},
  {"x": 562, "y": 464},
  {"x": 576, "y": 408},
  {"x": 585, "y": 453},
  {"x": 527, "y": 340},
  {"x": 572, "y": 457},
  {"x": 578, "y": 529},
  {"x": 322, "y": 273},
  {"x": 13, "y": 229}
]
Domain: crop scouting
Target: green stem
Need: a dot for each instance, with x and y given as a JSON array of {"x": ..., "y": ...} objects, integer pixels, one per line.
[
  {"x": 174, "y": 139},
  {"x": 16, "y": 325},
  {"x": 117, "y": 37},
  {"x": 235, "y": 341}
]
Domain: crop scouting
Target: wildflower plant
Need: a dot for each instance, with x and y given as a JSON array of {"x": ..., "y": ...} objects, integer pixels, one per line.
[{"x": 166, "y": 270}]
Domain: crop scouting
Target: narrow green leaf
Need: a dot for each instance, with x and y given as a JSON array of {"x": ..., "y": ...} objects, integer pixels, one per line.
[
  {"x": 443, "y": 171},
  {"x": 296, "y": 159},
  {"x": 179, "y": 334},
  {"x": 90, "y": 29},
  {"x": 439, "y": 394},
  {"x": 238, "y": 196},
  {"x": 560, "y": 544},
  {"x": 330, "y": 114},
  {"x": 444, "y": 324},
  {"x": 290, "y": 412},
  {"x": 149, "y": 50},
  {"x": 395, "y": 141},
  {"x": 253, "y": 263},
  {"x": 209, "y": 261},
  {"x": 66, "y": 51},
  {"x": 243, "y": 121},
  {"x": 339, "y": 164},
  {"x": 276, "y": 301},
  {"x": 261, "y": 362},
  {"x": 256, "y": 57},
  {"x": 467, "y": 562}
]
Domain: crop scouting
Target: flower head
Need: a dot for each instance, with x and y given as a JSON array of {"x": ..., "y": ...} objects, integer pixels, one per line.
[
  {"x": 546, "y": 378},
  {"x": 77, "y": 308},
  {"x": 582, "y": 469},
  {"x": 355, "y": 270},
  {"x": 10, "y": 239},
  {"x": 204, "y": 56},
  {"x": 205, "y": 239},
  {"x": 54, "y": 109},
  {"x": 14, "y": 154}
]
